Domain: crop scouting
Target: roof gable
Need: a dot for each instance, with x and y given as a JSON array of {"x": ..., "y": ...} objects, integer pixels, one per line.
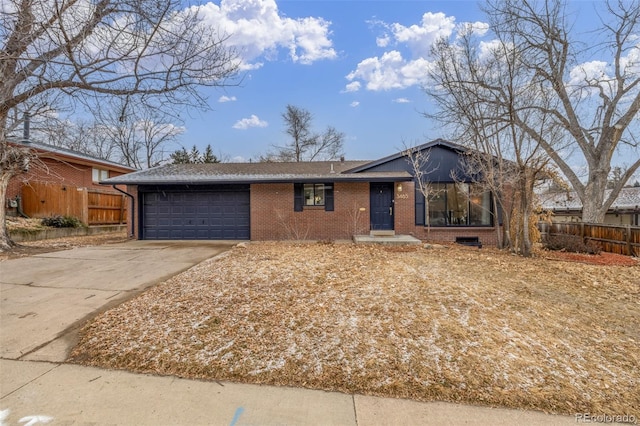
[{"x": 434, "y": 143}]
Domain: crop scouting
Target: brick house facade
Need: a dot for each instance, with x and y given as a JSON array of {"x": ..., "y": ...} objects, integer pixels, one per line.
[
  {"x": 61, "y": 168},
  {"x": 302, "y": 201}
]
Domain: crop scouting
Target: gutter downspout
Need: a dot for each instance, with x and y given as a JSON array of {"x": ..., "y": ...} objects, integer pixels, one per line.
[{"x": 133, "y": 209}]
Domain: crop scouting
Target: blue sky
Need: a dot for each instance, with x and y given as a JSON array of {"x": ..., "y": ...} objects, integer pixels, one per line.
[
  {"x": 355, "y": 65},
  {"x": 377, "y": 120}
]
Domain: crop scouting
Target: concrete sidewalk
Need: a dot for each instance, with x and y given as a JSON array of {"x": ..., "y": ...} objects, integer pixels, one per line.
[
  {"x": 46, "y": 298},
  {"x": 70, "y": 394}
]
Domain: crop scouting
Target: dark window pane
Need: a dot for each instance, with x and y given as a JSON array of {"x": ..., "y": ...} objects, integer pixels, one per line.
[
  {"x": 458, "y": 203},
  {"x": 480, "y": 207},
  {"x": 319, "y": 194},
  {"x": 437, "y": 206}
]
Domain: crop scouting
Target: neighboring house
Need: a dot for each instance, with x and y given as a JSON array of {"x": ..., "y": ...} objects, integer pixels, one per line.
[
  {"x": 567, "y": 207},
  {"x": 327, "y": 200},
  {"x": 60, "y": 181}
]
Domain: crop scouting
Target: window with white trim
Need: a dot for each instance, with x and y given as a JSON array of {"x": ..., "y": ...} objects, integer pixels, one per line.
[{"x": 98, "y": 175}]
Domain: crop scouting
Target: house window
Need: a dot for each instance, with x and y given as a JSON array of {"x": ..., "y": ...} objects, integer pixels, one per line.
[
  {"x": 458, "y": 204},
  {"x": 98, "y": 175},
  {"x": 312, "y": 195}
]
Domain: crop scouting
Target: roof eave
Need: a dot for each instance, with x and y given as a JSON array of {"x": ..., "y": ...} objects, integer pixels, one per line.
[{"x": 301, "y": 179}]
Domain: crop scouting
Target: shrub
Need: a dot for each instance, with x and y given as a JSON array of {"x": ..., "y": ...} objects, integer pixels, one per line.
[
  {"x": 571, "y": 243},
  {"x": 57, "y": 221}
]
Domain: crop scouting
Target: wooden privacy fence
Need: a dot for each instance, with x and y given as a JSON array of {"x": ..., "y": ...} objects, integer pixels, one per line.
[
  {"x": 91, "y": 206},
  {"x": 621, "y": 239}
]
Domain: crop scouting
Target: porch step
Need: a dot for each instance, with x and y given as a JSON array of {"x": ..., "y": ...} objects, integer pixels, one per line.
[
  {"x": 397, "y": 240},
  {"x": 382, "y": 233}
]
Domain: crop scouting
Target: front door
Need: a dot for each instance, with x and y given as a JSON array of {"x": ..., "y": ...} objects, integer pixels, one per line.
[{"x": 382, "y": 206}]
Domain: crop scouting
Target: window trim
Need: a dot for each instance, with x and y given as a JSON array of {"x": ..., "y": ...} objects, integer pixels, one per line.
[
  {"x": 299, "y": 200},
  {"x": 102, "y": 174}
]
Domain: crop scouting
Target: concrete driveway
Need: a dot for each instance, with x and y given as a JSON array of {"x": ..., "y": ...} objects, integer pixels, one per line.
[{"x": 46, "y": 298}]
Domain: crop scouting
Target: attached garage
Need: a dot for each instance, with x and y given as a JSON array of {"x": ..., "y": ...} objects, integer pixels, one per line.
[{"x": 182, "y": 212}]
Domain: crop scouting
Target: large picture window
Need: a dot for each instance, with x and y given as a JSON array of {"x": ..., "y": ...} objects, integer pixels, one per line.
[{"x": 458, "y": 204}]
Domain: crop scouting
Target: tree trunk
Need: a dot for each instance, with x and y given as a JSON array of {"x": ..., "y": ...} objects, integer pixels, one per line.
[
  {"x": 525, "y": 208},
  {"x": 593, "y": 210},
  {"x": 13, "y": 161},
  {"x": 5, "y": 241},
  {"x": 499, "y": 234}
]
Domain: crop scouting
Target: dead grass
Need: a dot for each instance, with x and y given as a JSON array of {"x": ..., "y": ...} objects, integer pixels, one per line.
[{"x": 454, "y": 324}]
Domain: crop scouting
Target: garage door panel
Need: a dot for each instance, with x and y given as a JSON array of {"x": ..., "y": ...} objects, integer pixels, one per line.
[{"x": 220, "y": 214}]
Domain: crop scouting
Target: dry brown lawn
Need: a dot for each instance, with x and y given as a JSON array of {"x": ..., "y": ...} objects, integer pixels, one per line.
[{"x": 452, "y": 323}]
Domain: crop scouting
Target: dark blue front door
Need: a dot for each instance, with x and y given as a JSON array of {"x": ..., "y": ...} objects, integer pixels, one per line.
[{"x": 382, "y": 206}]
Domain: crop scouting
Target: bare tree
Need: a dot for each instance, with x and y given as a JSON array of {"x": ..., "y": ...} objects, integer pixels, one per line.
[
  {"x": 418, "y": 160},
  {"x": 478, "y": 93},
  {"x": 83, "y": 52},
  {"x": 140, "y": 134},
  {"x": 305, "y": 144},
  {"x": 590, "y": 106}
]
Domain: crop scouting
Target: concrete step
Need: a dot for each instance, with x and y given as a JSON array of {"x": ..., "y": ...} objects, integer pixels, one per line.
[
  {"x": 397, "y": 240},
  {"x": 382, "y": 232}
]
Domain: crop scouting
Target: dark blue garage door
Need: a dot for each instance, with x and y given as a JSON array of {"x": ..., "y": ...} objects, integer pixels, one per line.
[{"x": 202, "y": 215}]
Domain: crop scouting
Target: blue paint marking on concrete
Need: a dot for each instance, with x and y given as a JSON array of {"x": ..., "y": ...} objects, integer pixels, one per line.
[{"x": 236, "y": 416}]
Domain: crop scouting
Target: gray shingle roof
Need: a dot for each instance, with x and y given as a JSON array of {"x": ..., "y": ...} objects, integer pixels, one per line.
[
  {"x": 330, "y": 171},
  {"x": 69, "y": 153},
  {"x": 629, "y": 198}
]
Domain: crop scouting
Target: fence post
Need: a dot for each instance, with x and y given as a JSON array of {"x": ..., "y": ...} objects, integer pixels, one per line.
[
  {"x": 628, "y": 231},
  {"x": 84, "y": 211},
  {"x": 582, "y": 232}
]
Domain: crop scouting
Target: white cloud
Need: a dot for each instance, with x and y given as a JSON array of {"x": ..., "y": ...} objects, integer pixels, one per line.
[
  {"x": 354, "y": 104},
  {"x": 257, "y": 29},
  {"x": 420, "y": 37},
  {"x": 252, "y": 121},
  {"x": 391, "y": 71},
  {"x": 478, "y": 28},
  {"x": 354, "y": 86},
  {"x": 401, "y": 101},
  {"x": 223, "y": 99},
  {"x": 383, "y": 41}
]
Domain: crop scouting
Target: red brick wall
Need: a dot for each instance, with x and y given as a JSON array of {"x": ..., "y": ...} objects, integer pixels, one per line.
[
  {"x": 273, "y": 218},
  {"x": 48, "y": 170},
  {"x": 448, "y": 235},
  {"x": 405, "y": 209}
]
